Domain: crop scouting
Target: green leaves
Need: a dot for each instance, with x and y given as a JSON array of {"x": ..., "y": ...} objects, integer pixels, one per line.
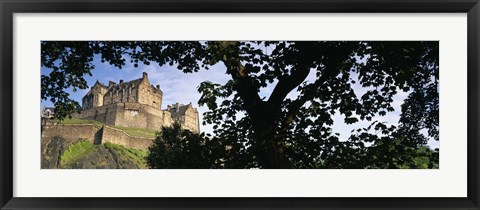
[
  {"x": 175, "y": 148},
  {"x": 351, "y": 120}
]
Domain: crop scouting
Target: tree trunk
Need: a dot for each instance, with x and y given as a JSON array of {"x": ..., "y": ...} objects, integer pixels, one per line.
[
  {"x": 270, "y": 153},
  {"x": 268, "y": 148}
]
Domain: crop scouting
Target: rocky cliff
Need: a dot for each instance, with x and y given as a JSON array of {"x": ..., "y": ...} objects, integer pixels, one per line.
[{"x": 58, "y": 153}]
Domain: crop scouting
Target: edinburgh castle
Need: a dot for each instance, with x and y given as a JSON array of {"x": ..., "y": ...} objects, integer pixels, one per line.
[{"x": 136, "y": 103}]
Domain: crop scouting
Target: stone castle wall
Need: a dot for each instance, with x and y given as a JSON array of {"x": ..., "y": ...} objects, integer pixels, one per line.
[
  {"x": 191, "y": 120},
  {"x": 105, "y": 114},
  {"x": 117, "y": 136},
  {"x": 122, "y": 95},
  {"x": 94, "y": 134},
  {"x": 139, "y": 115},
  {"x": 128, "y": 114},
  {"x": 72, "y": 133}
]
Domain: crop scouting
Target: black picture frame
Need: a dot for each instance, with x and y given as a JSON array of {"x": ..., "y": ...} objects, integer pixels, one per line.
[{"x": 10, "y": 7}]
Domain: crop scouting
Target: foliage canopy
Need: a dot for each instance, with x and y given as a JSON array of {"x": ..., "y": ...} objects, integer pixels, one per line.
[{"x": 279, "y": 132}]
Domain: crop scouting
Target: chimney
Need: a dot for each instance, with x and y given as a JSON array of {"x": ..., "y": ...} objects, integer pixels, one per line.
[
  {"x": 121, "y": 81},
  {"x": 145, "y": 75}
]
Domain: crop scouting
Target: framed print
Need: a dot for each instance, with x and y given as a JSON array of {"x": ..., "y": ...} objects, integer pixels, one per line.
[{"x": 239, "y": 105}]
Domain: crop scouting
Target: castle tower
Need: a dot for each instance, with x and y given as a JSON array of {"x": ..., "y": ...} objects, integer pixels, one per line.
[
  {"x": 186, "y": 115},
  {"x": 94, "y": 97},
  {"x": 148, "y": 93}
]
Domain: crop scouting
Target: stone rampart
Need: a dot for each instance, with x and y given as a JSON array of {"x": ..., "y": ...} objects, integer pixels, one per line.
[
  {"x": 105, "y": 114},
  {"x": 117, "y": 136},
  {"x": 127, "y": 114},
  {"x": 72, "y": 132},
  {"x": 138, "y": 115},
  {"x": 94, "y": 134}
]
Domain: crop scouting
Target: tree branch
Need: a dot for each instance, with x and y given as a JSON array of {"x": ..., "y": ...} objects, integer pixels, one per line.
[
  {"x": 307, "y": 96},
  {"x": 306, "y": 53},
  {"x": 334, "y": 63},
  {"x": 286, "y": 84},
  {"x": 244, "y": 84}
]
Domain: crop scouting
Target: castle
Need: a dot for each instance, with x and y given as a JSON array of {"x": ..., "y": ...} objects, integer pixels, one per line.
[{"x": 136, "y": 103}]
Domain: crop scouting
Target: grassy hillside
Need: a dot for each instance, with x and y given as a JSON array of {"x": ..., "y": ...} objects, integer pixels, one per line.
[
  {"x": 75, "y": 152},
  {"x": 59, "y": 153},
  {"x": 85, "y": 155},
  {"x": 126, "y": 154}
]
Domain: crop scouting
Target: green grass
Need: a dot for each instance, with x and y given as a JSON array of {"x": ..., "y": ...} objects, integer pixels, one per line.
[
  {"x": 83, "y": 149},
  {"x": 135, "y": 155},
  {"x": 76, "y": 151},
  {"x": 80, "y": 121},
  {"x": 140, "y": 132}
]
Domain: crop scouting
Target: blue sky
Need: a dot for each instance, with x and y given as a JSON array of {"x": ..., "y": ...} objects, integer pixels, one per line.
[{"x": 182, "y": 88}]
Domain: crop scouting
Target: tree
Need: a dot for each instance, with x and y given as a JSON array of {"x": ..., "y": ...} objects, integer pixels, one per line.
[
  {"x": 176, "y": 148},
  {"x": 279, "y": 132}
]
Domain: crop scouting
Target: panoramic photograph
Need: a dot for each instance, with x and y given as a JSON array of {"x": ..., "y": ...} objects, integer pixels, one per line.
[{"x": 239, "y": 105}]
